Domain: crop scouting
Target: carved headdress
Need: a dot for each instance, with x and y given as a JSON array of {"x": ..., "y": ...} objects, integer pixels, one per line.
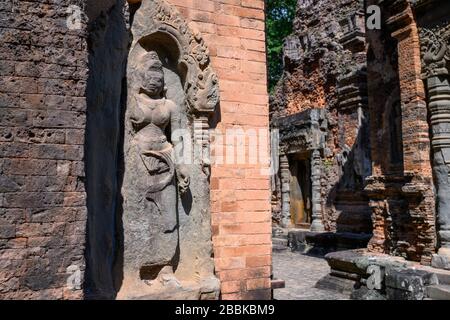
[{"x": 151, "y": 62}]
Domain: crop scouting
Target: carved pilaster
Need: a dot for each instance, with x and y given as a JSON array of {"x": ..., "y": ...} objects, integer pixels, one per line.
[
  {"x": 285, "y": 191},
  {"x": 439, "y": 105},
  {"x": 435, "y": 66},
  {"x": 316, "y": 164},
  {"x": 202, "y": 143}
]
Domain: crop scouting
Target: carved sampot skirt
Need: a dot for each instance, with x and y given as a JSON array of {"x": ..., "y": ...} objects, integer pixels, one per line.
[{"x": 150, "y": 222}]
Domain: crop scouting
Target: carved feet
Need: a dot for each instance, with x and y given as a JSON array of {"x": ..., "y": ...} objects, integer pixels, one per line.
[{"x": 165, "y": 278}]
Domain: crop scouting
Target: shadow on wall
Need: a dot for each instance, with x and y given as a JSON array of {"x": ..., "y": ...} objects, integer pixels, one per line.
[
  {"x": 106, "y": 95},
  {"x": 378, "y": 146},
  {"x": 402, "y": 220},
  {"x": 352, "y": 211}
]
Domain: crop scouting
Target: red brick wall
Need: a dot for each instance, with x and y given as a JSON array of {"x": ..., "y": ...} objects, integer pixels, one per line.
[
  {"x": 415, "y": 129},
  {"x": 42, "y": 118},
  {"x": 234, "y": 33},
  {"x": 43, "y": 73},
  {"x": 401, "y": 192},
  {"x": 416, "y": 138}
]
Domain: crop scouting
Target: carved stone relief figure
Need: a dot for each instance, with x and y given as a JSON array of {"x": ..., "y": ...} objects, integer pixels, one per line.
[
  {"x": 154, "y": 175},
  {"x": 172, "y": 92}
]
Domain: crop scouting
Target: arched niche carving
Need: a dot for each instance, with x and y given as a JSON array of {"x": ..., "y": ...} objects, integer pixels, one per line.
[
  {"x": 162, "y": 22},
  {"x": 167, "y": 245}
]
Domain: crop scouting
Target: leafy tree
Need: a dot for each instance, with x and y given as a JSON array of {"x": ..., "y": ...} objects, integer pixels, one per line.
[{"x": 279, "y": 17}]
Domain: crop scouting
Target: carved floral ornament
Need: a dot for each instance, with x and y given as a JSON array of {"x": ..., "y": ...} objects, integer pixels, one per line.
[
  {"x": 435, "y": 50},
  {"x": 201, "y": 84}
]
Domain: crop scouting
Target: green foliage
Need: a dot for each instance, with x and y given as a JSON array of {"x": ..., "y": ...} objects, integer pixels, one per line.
[{"x": 280, "y": 15}]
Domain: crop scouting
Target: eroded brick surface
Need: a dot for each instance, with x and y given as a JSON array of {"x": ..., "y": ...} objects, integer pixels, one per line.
[
  {"x": 42, "y": 118},
  {"x": 43, "y": 76}
]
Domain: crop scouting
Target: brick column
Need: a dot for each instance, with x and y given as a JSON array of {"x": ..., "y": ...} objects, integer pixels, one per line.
[
  {"x": 240, "y": 193},
  {"x": 415, "y": 130},
  {"x": 401, "y": 188},
  {"x": 418, "y": 186}
]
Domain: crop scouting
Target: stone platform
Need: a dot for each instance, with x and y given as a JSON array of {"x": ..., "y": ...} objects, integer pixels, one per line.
[
  {"x": 370, "y": 276},
  {"x": 208, "y": 289},
  {"x": 321, "y": 243}
]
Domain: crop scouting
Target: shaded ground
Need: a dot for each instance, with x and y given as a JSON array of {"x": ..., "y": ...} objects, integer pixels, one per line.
[{"x": 301, "y": 272}]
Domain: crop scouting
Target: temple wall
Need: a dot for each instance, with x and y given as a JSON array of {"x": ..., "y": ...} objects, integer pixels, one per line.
[
  {"x": 240, "y": 195},
  {"x": 401, "y": 187},
  {"x": 376, "y": 168},
  {"x": 325, "y": 72},
  {"x": 43, "y": 77},
  {"x": 61, "y": 127}
]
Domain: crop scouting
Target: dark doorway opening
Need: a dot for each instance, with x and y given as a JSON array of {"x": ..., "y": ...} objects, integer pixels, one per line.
[{"x": 300, "y": 190}]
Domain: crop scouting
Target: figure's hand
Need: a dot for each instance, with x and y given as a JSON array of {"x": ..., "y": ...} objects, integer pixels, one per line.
[{"x": 183, "y": 178}]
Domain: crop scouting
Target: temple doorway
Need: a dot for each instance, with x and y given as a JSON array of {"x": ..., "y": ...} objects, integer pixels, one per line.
[{"x": 300, "y": 190}]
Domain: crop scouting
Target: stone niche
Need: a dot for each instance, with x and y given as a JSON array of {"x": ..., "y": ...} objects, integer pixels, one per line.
[{"x": 171, "y": 93}]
